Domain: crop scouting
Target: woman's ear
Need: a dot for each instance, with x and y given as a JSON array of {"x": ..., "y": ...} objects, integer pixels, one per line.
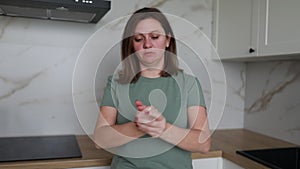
[{"x": 168, "y": 39}]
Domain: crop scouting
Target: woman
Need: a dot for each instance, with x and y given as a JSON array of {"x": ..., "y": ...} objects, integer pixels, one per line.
[{"x": 150, "y": 97}]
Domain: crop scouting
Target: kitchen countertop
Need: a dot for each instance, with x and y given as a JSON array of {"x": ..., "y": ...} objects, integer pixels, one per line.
[
  {"x": 229, "y": 141},
  {"x": 224, "y": 144}
]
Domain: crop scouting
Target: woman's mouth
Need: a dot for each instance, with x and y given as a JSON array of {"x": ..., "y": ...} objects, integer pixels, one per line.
[{"x": 148, "y": 53}]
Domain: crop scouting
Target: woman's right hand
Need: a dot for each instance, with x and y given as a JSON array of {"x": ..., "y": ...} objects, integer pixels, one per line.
[{"x": 149, "y": 120}]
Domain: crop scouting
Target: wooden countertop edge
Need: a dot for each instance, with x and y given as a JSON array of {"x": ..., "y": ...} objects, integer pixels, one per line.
[
  {"x": 243, "y": 161},
  {"x": 53, "y": 164},
  {"x": 78, "y": 162},
  {"x": 211, "y": 154}
]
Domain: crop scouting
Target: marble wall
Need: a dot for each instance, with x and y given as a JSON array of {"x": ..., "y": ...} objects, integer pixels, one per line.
[
  {"x": 37, "y": 61},
  {"x": 272, "y": 104}
]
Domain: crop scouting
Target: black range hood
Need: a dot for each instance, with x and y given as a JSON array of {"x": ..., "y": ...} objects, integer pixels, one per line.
[{"x": 88, "y": 11}]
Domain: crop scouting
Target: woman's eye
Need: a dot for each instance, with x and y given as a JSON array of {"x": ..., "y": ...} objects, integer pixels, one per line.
[
  {"x": 155, "y": 37},
  {"x": 137, "y": 39}
]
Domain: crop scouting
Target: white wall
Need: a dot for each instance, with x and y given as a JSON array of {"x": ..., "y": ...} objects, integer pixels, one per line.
[
  {"x": 273, "y": 99},
  {"x": 37, "y": 60}
]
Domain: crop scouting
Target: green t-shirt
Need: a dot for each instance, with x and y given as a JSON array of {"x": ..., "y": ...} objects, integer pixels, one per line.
[{"x": 171, "y": 96}]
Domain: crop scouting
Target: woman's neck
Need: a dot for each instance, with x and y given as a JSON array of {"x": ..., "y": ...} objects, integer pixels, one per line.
[{"x": 151, "y": 73}]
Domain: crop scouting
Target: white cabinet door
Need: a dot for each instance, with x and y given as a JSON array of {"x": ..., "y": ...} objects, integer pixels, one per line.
[
  {"x": 230, "y": 165},
  {"x": 211, "y": 163},
  {"x": 232, "y": 28},
  {"x": 278, "y": 26},
  {"x": 256, "y": 28}
]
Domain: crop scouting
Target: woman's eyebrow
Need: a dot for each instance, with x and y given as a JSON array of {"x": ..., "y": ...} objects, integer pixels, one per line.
[{"x": 141, "y": 33}]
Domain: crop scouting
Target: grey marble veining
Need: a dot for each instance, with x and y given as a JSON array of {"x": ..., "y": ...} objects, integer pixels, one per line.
[
  {"x": 272, "y": 99},
  {"x": 267, "y": 93},
  {"x": 241, "y": 91},
  {"x": 206, "y": 4},
  {"x": 17, "y": 85},
  {"x": 4, "y": 23}
]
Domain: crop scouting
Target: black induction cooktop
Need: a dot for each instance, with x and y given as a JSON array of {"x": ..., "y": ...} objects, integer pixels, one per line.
[
  {"x": 38, "y": 148},
  {"x": 275, "y": 158}
]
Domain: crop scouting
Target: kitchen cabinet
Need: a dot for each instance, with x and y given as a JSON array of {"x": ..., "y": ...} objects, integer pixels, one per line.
[
  {"x": 245, "y": 29},
  {"x": 211, "y": 163},
  {"x": 278, "y": 26},
  {"x": 232, "y": 28},
  {"x": 230, "y": 165}
]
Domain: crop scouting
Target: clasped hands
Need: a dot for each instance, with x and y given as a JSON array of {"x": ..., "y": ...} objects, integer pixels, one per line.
[{"x": 149, "y": 120}]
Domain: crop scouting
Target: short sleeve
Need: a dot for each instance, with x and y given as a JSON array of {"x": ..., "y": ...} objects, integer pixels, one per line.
[
  {"x": 195, "y": 94},
  {"x": 107, "y": 99}
]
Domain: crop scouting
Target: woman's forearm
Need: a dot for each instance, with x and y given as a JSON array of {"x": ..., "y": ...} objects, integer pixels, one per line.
[
  {"x": 193, "y": 140},
  {"x": 109, "y": 136}
]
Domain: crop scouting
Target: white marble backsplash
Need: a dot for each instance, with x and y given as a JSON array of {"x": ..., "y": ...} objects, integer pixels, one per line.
[
  {"x": 273, "y": 99},
  {"x": 37, "y": 60}
]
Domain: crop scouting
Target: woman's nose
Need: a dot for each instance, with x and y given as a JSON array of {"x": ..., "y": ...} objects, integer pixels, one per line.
[{"x": 147, "y": 43}]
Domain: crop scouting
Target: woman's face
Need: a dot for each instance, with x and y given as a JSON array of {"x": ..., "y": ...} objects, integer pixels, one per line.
[{"x": 149, "y": 43}]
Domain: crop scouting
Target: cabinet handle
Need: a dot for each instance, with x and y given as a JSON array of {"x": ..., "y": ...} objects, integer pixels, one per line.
[
  {"x": 251, "y": 50},
  {"x": 267, "y": 22}
]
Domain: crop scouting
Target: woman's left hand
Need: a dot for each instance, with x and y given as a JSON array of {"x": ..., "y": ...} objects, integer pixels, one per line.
[{"x": 149, "y": 120}]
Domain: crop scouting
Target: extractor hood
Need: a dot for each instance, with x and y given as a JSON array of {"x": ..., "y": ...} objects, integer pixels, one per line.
[{"x": 89, "y": 11}]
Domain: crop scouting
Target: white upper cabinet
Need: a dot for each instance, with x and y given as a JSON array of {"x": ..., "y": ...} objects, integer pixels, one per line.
[
  {"x": 247, "y": 29},
  {"x": 232, "y": 28},
  {"x": 278, "y": 26}
]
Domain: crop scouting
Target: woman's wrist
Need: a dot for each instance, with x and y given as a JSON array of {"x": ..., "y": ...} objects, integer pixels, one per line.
[
  {"x": 139, "y": 133},
  {"x": 165, "y": 130},
  {"x": 167, "y": 126}
]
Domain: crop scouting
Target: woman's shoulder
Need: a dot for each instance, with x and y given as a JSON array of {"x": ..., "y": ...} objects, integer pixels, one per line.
[
  {"x": 186, "y": 80},
  {"x": 185, "y": 76},
  {"x": 113, "y": 78}
]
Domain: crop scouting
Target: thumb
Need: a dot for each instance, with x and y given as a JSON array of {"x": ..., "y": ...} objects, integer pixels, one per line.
[
  {"x": 140, "y": 106},
  {"x": 154, "y": 113}
]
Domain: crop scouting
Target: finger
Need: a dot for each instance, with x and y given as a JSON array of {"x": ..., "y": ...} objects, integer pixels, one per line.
[
  {"x": 152, "y": 124},
  {"x": 138, "y": 103},
  {"x": 140, "y": 106},
  {"x": 148, "y": 109},
  {"x": 155, "y": 114},
  {"x": 160, "y": 117},
  {"x": 154, "y": 132},
  {"x": 142, "y": 117},
  {"x": 149, "y": 114},
  {"x": 146, "y": 128},
  {"x": 145, "y": 111}
]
